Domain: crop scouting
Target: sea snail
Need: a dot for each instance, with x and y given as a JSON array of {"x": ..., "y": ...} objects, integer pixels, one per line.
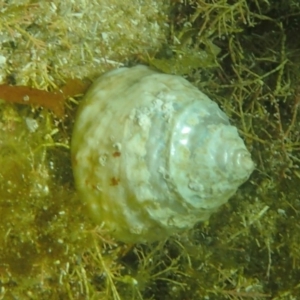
[{"x": 152, "y": 155}]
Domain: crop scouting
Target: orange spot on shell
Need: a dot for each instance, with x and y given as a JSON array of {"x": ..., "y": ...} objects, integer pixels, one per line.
[{"x": 114, "y": 181}]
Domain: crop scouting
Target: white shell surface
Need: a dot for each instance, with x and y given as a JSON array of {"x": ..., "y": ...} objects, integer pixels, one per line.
[{"x": 152, "y": 155}]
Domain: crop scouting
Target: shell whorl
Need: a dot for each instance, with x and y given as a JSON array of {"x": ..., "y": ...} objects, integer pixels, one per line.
[{"x": 152, "y": 155}]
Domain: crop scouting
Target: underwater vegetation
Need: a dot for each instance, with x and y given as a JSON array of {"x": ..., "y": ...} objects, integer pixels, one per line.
[{"x": 244, "y": 54}]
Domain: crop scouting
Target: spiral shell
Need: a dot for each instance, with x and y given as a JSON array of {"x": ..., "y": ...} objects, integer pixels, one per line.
[{"x": 152, "y": 155}]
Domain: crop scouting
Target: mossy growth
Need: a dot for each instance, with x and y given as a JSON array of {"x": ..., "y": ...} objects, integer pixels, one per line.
[{"x": 245, "y": 55}]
